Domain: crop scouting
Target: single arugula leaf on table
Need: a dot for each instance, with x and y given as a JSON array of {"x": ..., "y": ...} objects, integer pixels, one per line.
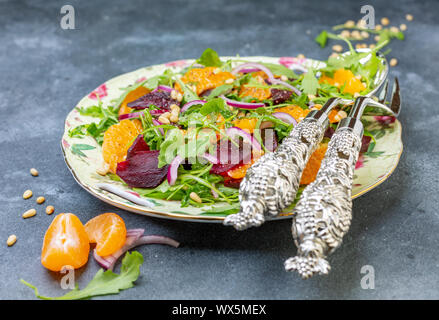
[{"x": 104, "y": 282}]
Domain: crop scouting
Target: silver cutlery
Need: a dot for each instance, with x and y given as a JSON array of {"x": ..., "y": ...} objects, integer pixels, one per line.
[
  {"x": 323, "y": 213},
  {"x": 271, "y": 184}
]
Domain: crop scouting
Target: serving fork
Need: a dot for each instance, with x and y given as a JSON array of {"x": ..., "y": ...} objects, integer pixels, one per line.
[
  {"x": 323, "y": 213},
  {"x": 270, "y": 185}
]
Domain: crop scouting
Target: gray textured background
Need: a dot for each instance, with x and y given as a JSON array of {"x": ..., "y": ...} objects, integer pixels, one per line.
[{"x": 46, "y": 70}]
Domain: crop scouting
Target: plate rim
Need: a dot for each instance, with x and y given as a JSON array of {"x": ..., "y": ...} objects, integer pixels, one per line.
[{"x": 198, "y": 218}]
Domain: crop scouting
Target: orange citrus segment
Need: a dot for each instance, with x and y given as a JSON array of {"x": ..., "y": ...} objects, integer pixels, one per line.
[
  {"x": 205, "y": 78},
  {"x": 65, "y": 243},
  {"x": 131, "y": 96},
  {"x": 247, "y": 124},
  {"x": 295, "y": 111},
  {"x": 117, "y": 140},
  {"x": 313, "y": 165},
  {"x": 347, "y": 78},
  {"x": 258, "y": 93},
  {"x": 108, "y": 231}
]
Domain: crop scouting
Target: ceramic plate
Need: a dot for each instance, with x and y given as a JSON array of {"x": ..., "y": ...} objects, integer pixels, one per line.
[{"x": 83, "y": 156}]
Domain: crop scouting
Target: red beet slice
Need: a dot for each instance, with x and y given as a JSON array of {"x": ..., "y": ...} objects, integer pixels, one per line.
[
  {"x": 160, "y": 99},
  {"x": 141, "y": 171},
  {"x": 232, "y": 183},
  {"x": 138, "y": 145}
]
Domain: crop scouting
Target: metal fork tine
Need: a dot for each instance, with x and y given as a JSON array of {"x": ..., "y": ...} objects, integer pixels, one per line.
[
  {"x": 383, "y": 92},
  {"x": 395, "y": 103}
]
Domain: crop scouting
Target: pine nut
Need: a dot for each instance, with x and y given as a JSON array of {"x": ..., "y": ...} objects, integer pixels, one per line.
[
  {"x": 356, "y": 35},
  {"x": 334, "y": 55},
  {"x": 356, "y": 95},
  {"x": 164, "y": 120},
  {"x": 300, "y": 56},
  {"x": 103, "y": 170},
  {"x": 29, "y": 213},
  {"x": 34, "y": 172},
  {"x": 345, "y": 34},
  {"x": 393, "y": 62},
  {"x": 409, "y": 17},
  {"x": 342, "y": 114},
  {"x": 195, "y": 197},
  {"x": 173, "y": 118},
  {"x": 284, "y": 78},
  {"x": 311, "y": 96},
  {"x": 385, "y": 21},
  {"x": 361, "y": 23},
  {"x": 403, "y": 27},
  {"x": 40, "y": 200},
  {"x": 174, "y": 94},
  {"x": 179, "y": 97},
  {"x": 166, "y": 115},
  {"x": 229, "y": 81},
  {"x": 337, "y": 48},
  {"x": 50, "y": 210},
  {"x": 372, "y": 46},
  {"x": 364, "y": 34},
  {"x": 174, "y": 107},
  {"x": 11, "y": 240},
  {"x": 378, "y": 27},
  {"x": 394, "y": 29},
  {"x": 27, "y": 194},
  {"x": 349, "y": 23},
  {"x": 377, "y": 38}
]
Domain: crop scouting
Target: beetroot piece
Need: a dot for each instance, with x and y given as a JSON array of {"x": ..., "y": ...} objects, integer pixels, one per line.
[
  {"x": 222, "y": 169},
  {"x": 365, "y": 142},
  {"x": 160, "y": 99},
  {"x": 138, "y": 145},
  {"x": 230, "y": 156},
  {"x": 280, "y": 96},
  {"x": 232, "y": 183},
  {"x": 141, "y": 170}
]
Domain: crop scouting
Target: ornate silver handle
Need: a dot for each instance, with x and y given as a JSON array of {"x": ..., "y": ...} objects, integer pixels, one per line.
[
  {"x": 271, "y": 184},
  {"x": 324, "y": 212}
]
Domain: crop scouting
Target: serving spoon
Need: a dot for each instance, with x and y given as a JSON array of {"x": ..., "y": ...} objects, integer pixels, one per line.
[
  {"x": 270, "y": 185},
  {"x": 323, "y": 213}
]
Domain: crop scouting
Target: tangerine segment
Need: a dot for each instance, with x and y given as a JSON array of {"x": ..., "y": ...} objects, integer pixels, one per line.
[
  {"x": 295, "y": 111},
  {"x": 65, "y": 243},
  {"x": 258, "y": 93},
  {"x": 117, "y": 140},
  {"x": 108, "y": 231},
  {"x": 344, "y": 77},
  {"x": 131, "y": 96},
  {"x": 205, "y": 78},
  {"x": 312, "y": 167},
  {"x": 247, "y": 124}
]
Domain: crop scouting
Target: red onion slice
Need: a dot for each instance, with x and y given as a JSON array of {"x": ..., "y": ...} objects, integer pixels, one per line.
[
  {"x": 254, "y": 66},
  {"x": 158, "y": 123},
  {"x": 163, "y": 88},
  {"x": 285, "y": 117},
  {"x": 235, "y": 131},
  {"x": 211, "y": 158},
  {"x": 173, "y": 170},
  {"x": 191, "y": 103},
  {"x": 285, "y": 84},
  {"x": 242, "y": 105},
  {"x": 134, "y": 239}
]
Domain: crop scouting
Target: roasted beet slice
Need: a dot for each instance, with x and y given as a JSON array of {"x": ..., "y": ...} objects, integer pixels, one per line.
[
  {"x": 138, "y": 145},
  {"x": 232, "y": 183},
  {"x": 160, "y": 99},
  {"x": 280, "y": 96},
  {"x": 365, "y": 142},
  {"x": 141, "y": 170},
  {"x": 222, "y": 169},
  {"x": 230, "y": 156}
]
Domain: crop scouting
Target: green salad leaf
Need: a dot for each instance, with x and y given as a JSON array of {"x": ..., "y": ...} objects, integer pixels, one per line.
[
  {"x": 310, "y": 84},
  {"x": 104, "y": 282},
  {"x": 209, "y": 58}
]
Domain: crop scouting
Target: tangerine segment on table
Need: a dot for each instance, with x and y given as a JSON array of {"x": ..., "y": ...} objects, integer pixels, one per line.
[
  {"x": 65, "y": 243},
  {"x": 108, "y": 231},
  {"x": 131, "y": 96},
  {"x": 117, "y": 140}
]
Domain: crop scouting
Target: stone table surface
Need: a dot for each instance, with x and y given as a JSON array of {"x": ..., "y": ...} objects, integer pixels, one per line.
[{"x": 46, "y": 70}]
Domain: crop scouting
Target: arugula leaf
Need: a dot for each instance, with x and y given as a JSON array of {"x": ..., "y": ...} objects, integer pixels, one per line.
[
  {"x": 280, "y": 70},
  {"x": 216, "y": 105},
  {"x": 188, "y": 94},
  {"x": 77, "y": 149},
  {"x": 209, "y": 58},
  {"x": 222, "y": 89},
  {"x": 169, "y": 148},
  {"x": 104, "y": 282},
  {"x": 322, "y": 38},
  {"x": 310, "y": 83}
]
